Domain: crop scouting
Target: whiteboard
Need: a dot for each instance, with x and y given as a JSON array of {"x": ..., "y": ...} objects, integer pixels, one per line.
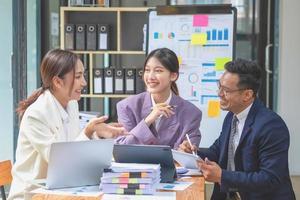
[{"x": 203, "y": 43}]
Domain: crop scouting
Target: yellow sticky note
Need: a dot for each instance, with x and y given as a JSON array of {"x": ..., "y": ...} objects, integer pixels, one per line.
[
  {"x": 179, "y": 60},
  {"x": 220, "y": 62},
  {"x": 199, "y": 39},
  {"x": 214, "y": 109},
  {"x": 203, "y": 38}
]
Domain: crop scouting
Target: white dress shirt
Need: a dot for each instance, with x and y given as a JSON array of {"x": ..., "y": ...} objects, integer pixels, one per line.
[
  {"x": 242, "y": 116},
  {"x": 153, "y": 104},
  {"x": 65, "y": 121}
]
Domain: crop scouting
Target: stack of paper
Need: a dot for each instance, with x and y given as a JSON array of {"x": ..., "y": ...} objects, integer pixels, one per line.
[{"x": 130, "y": 178}]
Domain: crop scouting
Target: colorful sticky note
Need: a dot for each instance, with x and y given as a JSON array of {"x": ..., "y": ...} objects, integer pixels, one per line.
[
  {"x": 220, "y": 62},
  {"x": 214, "y": 109},
  {"x": 200, "y": 20},
  {"x": 169, "y": 186},
  {"x": 179, "y": 60},
  {"x": 199, "y": 39},
  {"x": 203, "y": 38}
]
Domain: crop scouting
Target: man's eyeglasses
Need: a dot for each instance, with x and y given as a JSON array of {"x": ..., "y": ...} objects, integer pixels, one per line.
[{"x": 226, "y": 91}]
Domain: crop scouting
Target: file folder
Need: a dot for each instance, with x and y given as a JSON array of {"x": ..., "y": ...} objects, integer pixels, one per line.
[
  {"x": 103, "y": 37},
  {"x": 108, "y": 80},
  {"x": 119, "y": 81},
  {"x": 69, "y": 37},
  {"x": 75, "y": 2},
  {"x": 140, "y": 85},
  {"x": 130, "y": 81},
  {"x": 80, "y": 37},
  {"x": 89, "y": 2},
  {"x": 98, "y": 81},
  {"x": 91, "y": 35}
]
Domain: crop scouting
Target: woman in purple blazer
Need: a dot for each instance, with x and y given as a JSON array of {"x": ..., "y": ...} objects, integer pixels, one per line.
[{"x": 159, "y": 116}]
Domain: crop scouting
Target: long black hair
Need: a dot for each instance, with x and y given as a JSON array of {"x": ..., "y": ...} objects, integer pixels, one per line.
[{"x": 169, "y": 60}]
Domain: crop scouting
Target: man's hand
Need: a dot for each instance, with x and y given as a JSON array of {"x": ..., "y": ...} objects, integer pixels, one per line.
[
  {"x": 186, "y": 147},
  {"x": 210, "y": 170},
  {"x": 104, "y": 130}
]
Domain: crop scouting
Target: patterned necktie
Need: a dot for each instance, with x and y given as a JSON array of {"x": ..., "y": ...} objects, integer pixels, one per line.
[{"x": 231, "y": 146}]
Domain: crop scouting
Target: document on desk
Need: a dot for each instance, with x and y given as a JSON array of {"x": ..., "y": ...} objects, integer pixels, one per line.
[
  {"x": 156, "y": 196},
  {"x": 176, "y": 186},
  {"x": 87, "y": 191}
]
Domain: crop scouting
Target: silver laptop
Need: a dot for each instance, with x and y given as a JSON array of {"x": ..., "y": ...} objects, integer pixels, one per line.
[{"x": 80, "y": 163}]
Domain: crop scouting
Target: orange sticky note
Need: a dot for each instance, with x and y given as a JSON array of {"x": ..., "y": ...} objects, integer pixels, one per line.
[
  {"x": 199, "y": 39},
  {"x": 220, "y": 62},
  {"x": 214, "y": 109},
  {"x": 200, "y": 20}
]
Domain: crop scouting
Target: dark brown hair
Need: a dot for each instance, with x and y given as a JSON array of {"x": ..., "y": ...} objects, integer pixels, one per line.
[
  {"x": 249, "y": 74},
  {"x": 56, "y": 62},
  {"x": 169, "y": 60}
]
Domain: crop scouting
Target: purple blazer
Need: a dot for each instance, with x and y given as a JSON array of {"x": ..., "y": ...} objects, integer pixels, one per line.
[{"x": 171, "y": 131}]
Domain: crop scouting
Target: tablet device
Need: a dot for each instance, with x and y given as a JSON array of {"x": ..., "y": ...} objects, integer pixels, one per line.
[
  {"x": 80, "y": 163},
  {"x": 155, "y": 154},
  {"x": 186, "y": 160}
]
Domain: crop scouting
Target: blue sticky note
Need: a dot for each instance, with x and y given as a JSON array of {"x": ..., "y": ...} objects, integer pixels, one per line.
[{"x": 169, "y": 186}]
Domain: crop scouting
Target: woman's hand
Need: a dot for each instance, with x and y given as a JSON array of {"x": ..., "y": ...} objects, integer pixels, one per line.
[
  {"x": 161, "y": 109},
  {"x": 104, "y": 130}
]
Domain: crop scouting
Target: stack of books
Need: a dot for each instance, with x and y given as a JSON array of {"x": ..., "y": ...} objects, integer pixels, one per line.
[{"x": 130, "y": 178}]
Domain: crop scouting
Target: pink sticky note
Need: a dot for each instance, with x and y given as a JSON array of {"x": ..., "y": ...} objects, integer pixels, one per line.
[{"x": 200, "y": 20}]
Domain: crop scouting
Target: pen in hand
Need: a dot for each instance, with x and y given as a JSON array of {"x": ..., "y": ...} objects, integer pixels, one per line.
[
  {"x": 170, "y": 106},
  {"x": 189, "y": 141}
]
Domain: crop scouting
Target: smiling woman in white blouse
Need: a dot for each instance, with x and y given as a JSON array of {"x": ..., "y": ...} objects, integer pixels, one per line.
[{"x": 50, "y": 115}]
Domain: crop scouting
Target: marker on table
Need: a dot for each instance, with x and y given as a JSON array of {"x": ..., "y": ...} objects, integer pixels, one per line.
[{"x": 189, "y": 141}]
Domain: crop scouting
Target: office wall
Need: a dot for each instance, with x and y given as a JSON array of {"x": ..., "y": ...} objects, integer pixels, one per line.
[
  {"x": 289, "y": 72},
  {"x": 6, "y": 91},
  {"x": 32, "y": 46}
]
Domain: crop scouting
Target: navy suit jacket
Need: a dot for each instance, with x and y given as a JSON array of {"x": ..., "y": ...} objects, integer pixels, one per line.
[{"x": 261, "y": 158}]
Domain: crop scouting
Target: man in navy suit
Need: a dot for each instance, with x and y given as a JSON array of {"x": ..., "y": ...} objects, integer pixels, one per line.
[{"x": 249, "y": 160}]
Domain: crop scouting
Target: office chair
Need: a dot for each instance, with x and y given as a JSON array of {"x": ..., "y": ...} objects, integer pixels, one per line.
[{"x": 5, "y": 176}]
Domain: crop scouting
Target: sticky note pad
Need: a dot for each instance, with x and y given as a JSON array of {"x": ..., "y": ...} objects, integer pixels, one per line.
[
  {"x": 214, "y": 109},
  {"x": 169, "y": 186},
  {"x": 203, "y": 38},
  {"x": 200, "y": 20},
  {"x": 220, "y": 62},
  {"x": 179, "y": 60},
  {"x": 199, "y": 39}
]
